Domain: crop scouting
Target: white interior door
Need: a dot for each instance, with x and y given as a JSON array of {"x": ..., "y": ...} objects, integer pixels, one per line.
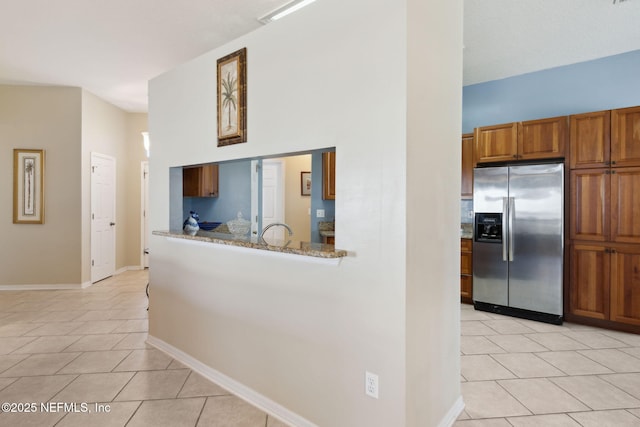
[
  {"x": 103, "y": 214},
  {"x": 145, "y": 215},
  {"x": 273, "y": 197}
]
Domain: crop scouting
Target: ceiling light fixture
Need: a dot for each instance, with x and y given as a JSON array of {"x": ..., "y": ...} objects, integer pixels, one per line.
[{"x": 283, "y": 11}]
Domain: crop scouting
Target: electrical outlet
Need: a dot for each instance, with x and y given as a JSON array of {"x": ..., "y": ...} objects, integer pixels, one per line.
[
  {"x": 371, "y": 384},
  {"x": 319, "y": 213}
]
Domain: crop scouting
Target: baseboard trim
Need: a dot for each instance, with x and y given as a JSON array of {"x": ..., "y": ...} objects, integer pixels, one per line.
[
  {"x": 45, "y": 286},
  {"x": 254, "y": 398},
  {"x": 61, "y": 286},
  {"x": 453, "y": 413}
]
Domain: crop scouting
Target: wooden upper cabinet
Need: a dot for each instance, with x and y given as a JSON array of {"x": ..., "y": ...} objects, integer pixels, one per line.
[
  {"x": 625, "y": 284},
  {"x": 625, "y": 137},
  {"x": 590, "y": 141},
  {"x": 589, "y": 289},
  {"x": 498, "y": 143},
  {"x": 625, "y": 205},
  {"x": 542, "y": 139},
  {"x": 329, "y": 175},
  {"x": 467, "y": 166},
  {"x": 590, "y": 195},
  {"x": 533, "y": 139},
  {"x": 200, "y": 181}
]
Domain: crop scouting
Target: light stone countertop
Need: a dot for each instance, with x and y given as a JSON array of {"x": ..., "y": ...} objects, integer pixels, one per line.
[
  {"x": 466, "y": 231},
  {"x": 317, "y": 250}
]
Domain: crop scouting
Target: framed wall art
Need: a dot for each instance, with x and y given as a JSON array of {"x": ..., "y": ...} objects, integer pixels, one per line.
[
  {"x": 28, "y": 186},
  {"x": 305, "y": 183},
  {"x": 232, "y": 98}
]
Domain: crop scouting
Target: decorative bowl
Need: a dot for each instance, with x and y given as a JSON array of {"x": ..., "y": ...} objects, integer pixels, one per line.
[
  {"x": 208, "y": 226},
  {"x": 239, "y": 226}
]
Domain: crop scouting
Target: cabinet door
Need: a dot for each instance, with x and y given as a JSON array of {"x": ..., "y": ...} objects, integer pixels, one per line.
[
  {"x": 590, "y": 142},
  {"x": 467, "y": 166},
  {"x": 625, "y": 137},
  {"x": 191, "y": 182},
  {"x": 542, "y": 139},
  {"x": 329, "y": 176},
  {"x": 590, "y": 204},
  {"x": 589, "y": 286},
  {"x": 497, "y": 143},
  {"x": 466, "y": 270},
  {"x": 200, "y": 181},
  {"x": 466, "y": 288},
  {"x": 625, "y": 284},
  {"x": 465, "y": 263},
  {"x": 625, "y": 205},
  {"x": 209, "y": 181}
]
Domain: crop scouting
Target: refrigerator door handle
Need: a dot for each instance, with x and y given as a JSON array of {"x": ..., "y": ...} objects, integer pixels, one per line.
[
  {"x": 512, "y": 202},
  {"x": 505, "y": 228}
]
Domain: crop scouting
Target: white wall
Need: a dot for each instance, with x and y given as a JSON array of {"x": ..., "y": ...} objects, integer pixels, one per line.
[
  {"x": 434, "y": 108},
  {"x": 328, "y": 75}
]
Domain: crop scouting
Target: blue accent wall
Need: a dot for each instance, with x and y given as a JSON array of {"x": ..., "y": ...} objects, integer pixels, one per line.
[
  {"x": 234, "y": 194},
  {"x": 601, "y": 84},
  {"x": 317, "y": 202}
]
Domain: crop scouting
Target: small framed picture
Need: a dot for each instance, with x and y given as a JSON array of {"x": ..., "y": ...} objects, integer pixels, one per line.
[
  {"x": 305, "y": 183},
  {"x": 28, "y": 186},
  {"x": 232, "y": 98}
]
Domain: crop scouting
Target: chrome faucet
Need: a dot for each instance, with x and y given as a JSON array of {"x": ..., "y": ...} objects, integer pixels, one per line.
[{"x": 273, "y": 225}]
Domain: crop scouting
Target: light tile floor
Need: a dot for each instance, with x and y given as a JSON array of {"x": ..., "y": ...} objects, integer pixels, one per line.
[
  {"x": 520, "y": 373},
  {"x": 88, "y": 346}
]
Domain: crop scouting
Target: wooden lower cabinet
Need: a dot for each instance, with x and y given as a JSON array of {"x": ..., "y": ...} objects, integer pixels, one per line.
[
  {"x": 589, "y": 290},
  {"x": 605, "y": 283},
  {"x": 466, "y": 270},
  {"x": 625, "y": 284}
]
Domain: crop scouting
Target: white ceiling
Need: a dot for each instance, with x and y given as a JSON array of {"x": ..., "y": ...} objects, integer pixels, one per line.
[{"x": 112, "y": 48}]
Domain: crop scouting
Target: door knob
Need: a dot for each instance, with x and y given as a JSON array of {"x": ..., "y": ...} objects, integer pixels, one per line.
[{"x": 112, "y": 224}]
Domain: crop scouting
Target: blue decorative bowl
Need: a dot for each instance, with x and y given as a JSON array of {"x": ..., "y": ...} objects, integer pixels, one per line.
[{"x": 208, "y": 226}]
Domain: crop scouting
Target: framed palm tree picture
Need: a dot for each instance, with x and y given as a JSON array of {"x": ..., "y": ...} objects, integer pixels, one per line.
[
  {"x": 28, "y": 186},
  {"x": 232, "y": 98}
]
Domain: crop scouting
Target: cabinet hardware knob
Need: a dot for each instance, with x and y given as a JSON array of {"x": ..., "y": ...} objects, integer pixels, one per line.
[{"x": 613, "y": 162}]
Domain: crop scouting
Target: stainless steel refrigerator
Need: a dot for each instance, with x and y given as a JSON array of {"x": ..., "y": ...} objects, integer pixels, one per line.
[{"x": 518, "y": 240}]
